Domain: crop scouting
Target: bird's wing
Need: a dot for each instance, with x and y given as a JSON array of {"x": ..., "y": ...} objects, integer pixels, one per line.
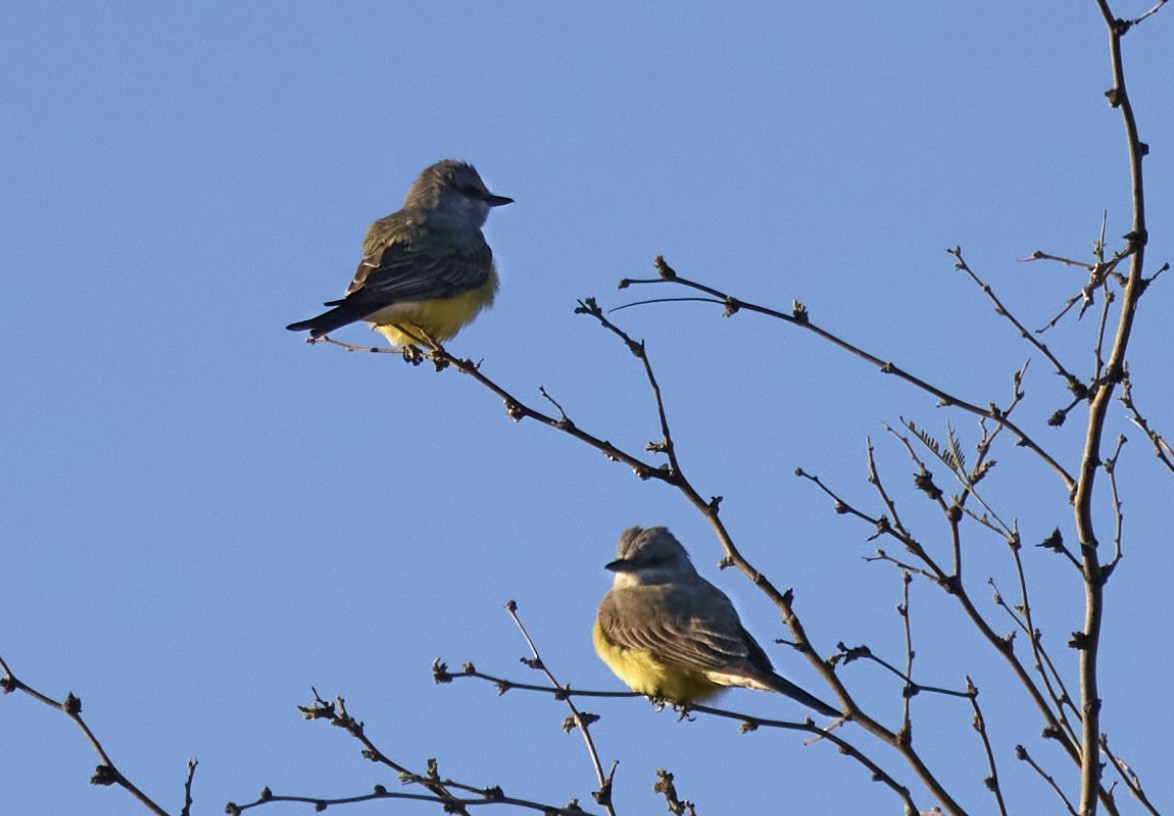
[
  {"x": 414, "y": 264},
  {"x": 689, "y": 628}
]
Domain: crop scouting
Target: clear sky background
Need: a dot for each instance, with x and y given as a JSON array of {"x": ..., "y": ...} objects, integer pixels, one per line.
[{"x": 202, "y": 517}]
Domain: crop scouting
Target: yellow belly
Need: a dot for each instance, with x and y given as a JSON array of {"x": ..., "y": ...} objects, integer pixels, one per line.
[
  {"x": 417, "y": 322},
  {"x": 645, "y": 675}
]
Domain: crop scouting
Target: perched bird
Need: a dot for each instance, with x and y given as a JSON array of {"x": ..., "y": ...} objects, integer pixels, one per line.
[
  {"x": 426, "y": 270},
  {"x": 668, "y": 633}
]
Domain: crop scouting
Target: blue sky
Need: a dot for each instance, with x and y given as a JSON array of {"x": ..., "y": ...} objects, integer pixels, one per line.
[{"x": 203, "y": 517}]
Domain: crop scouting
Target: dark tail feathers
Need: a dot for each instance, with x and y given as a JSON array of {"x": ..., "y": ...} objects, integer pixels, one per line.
[
  {"x": 785, "y": 686},
  {"x": 327, "y": 321}
]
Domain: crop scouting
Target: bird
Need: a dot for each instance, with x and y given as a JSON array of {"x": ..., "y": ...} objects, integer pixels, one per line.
[
  {"x": 426, "y": 270},
  {"x": 673, "y": 636}
]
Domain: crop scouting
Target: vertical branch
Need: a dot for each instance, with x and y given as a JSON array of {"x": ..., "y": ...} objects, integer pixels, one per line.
[
  {"x": 578, "y": 719},
  {"x": 910, "y": 689},
  {"x": 979, "y": 724},
  {"x": 1088, "y": 640}
]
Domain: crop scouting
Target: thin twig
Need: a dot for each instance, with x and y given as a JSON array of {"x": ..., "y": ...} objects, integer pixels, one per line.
[
  {"x": 1131, "y": 780},
  {"x": 441, "y": 674},
  {"x": 1162, "y": 449},
  {"x": 799, "y": 317},
  {"x": 1110, "y": 465},
  {"x": 1074, "y": 385},
  {"x": 1052, "y": 681},
  {"x": 848, "y": 654},
  {"x": 187, "y": 788},
  {"x": 451, "y": 804},
  {"x": 950, "y": 584},
  {"x": 106, "y": 773},
  {"x": 577, "y": 719},
  {"x": 1022, "y": 755},
  {"x": 1147, "y": 14},
  {"x": 665, "y": 786},
  {"x": 748, "y": 722},
  {"x": 440, "y": 790},
  {"x": 906, "y": 729},
  {"x": 979, "y": 723}
]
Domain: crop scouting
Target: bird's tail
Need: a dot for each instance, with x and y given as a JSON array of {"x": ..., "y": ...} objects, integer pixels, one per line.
[
  {"x": 339, "y": 316},
  {"x": 784, "y": 686}
]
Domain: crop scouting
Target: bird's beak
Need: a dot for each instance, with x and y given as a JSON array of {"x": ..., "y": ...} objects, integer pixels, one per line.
[
  {"x": 619, "y": 565},
  {"x": 497, "y": 201}
]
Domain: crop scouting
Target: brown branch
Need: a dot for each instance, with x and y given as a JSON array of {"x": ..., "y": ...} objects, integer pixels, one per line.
[
  {"x": 1162, "y": 448},
  {"x": 1145, "y": 15},
  {"x": 666, "y": 445},
  {"x": 906, "y": 730},
  {"x": 1099, "y": 346},
  {"x": 187, "y": 788},
  {"x": 952, "y": 459},
  {"x": 518, "y": 410},
  {"x": 782, "y": 601},
  {"x": 441, "y": 674},
  {"x": 1074, "y": 385},
  {"x": 955, "y": 587},
  {"x": 1088, "y": 640},
  {"x": 440, "y": 790},
  {"x": 451, "y": 804},
  {"x": 1052, "y": 681},
  {"x": 106, "y": 773},
  {"x": 1039, "y": 652},
  {"x": 979, "y": 724},
  {"x": 1022, "y": 755},
  {"x": 799, "y": 317},
  {"x": 1099, "y": 273},
  {"x": 664, "y": 786},
  {"x": 848, "y": 654},
  {"x": 581, "y": 721},
  {"x": 336, "y": 713},
  {"x": 1131, "y": 780},
  {"x": 748, "y": 722},
  {"x": 1110, "y": 465},
  {"x": 875, "y": 480}
]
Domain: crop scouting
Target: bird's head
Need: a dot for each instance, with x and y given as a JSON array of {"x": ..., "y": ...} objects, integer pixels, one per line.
[
  {"x": 650, "y": 556},
  {"x": 453, "y": 195}
]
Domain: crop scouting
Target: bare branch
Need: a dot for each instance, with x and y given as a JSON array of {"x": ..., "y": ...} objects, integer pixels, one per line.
[
  {"x": 848, "y": 654},
  {"x": 1088, "y": 640},
  {"x": 441, "y": 674},
  {"x": 1110, "y": 465},
  {"x": 748, "y": 723},
  {"x": 1162, "y": 448},
  {"x": 800, "y": 317},
  {"x": 581, "y": 721},
  {"x": 1022, "y": 755},
  {"x": 664, "y": 786},
  {"x": 1131, "y": 780},
  {"x": 106, "y": 773},
  {"x": 444, "y": 792},
  {"x": 1074, "y": 385},
  {"x": 979, "y": 723}
]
